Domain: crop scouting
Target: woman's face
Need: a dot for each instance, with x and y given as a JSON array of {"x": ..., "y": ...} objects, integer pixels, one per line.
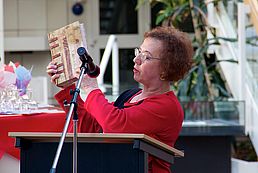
[{"x": 147, "y": 63}]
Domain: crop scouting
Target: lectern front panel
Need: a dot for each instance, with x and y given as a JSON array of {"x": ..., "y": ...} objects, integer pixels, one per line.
[{"x": 37, "y": 157}]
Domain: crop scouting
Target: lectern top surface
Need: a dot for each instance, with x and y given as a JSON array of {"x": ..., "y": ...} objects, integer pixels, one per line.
[{"x": 96, "y": 137}]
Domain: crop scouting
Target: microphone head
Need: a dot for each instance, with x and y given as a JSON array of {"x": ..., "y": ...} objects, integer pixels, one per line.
[
  {"x": 83, "y": 54},
  {"x": 95, "y": 72},
  {"x": 81, "y": 51}
]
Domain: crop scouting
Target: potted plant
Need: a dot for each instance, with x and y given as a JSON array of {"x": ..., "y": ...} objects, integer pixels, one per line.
[{"x": 244, "y": 156}]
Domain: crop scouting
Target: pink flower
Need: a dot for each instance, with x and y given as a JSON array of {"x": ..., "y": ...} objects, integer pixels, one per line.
[{"x": 10, "y": 67}]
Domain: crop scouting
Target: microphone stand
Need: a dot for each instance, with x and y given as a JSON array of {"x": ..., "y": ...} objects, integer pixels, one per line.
[{"x": 73, "y": 109}]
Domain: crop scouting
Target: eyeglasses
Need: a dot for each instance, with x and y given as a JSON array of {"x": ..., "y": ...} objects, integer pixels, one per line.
[{"x": 143, "y": 55}]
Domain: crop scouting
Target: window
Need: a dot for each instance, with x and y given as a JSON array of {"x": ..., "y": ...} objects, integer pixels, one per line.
[{"x": 118, "y": 17}]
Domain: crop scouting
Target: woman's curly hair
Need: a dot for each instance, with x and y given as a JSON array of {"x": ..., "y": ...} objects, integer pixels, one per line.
[{"x": 176, "y": 54}]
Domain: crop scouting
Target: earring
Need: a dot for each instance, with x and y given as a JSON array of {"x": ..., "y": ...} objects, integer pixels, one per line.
[{"x": 162, "y": 76}]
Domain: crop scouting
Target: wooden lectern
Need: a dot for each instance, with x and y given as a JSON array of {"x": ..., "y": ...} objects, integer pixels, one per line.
[{"x": 97, "y": 153}]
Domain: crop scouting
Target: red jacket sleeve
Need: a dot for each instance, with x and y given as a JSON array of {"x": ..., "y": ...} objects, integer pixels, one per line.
[{"x": 86, "y": 122}]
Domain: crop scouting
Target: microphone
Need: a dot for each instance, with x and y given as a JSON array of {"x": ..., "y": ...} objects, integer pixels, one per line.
[{"x": 93, "y": 70}]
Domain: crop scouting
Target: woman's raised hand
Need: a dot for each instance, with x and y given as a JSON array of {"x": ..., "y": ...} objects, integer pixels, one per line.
[
  {"x": 88, "y": 84},
  {"x": 52, "y": 71}
]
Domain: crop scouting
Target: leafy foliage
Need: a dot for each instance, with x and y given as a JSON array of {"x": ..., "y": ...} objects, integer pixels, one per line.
[{"x": 243, "y": 149}]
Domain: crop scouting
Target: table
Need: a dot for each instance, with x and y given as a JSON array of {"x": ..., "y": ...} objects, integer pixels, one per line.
[{"x": 41, "y": 122}]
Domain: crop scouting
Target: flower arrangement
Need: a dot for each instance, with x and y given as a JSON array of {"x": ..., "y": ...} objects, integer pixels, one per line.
[
  {"x": 15, "y": 97},
  {"x": 14, "y": 74}
]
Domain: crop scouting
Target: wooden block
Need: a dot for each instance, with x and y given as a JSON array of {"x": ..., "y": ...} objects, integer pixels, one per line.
[{"x": 63, "y": 44}]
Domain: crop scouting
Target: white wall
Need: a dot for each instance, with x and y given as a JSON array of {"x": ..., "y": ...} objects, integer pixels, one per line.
[
  {"x": 241, "y": 166},
  {"x": 9, "y": 164}
]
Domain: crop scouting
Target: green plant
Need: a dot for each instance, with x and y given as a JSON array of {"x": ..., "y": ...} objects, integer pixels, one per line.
[
  {"x": 243, "y": 149},
  {"x": 204, "y": 81}
]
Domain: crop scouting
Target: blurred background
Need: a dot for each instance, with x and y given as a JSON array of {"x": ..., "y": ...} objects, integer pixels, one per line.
[{"x": 219, "y": 95}]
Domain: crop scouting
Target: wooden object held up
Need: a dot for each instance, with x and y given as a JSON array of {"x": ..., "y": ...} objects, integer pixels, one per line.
[{"x": 63, "y": 44}]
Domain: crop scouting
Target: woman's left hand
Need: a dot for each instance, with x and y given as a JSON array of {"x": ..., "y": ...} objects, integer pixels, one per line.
[{"x": 88, "y": 84}]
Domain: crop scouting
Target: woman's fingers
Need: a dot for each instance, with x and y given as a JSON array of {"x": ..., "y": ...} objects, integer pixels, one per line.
[
  {"x": 52, "y": 71},
  {"x": 54, "y": 77},
  {"x": 77, "y": 72},
  {"x": 51, "y": 68}
]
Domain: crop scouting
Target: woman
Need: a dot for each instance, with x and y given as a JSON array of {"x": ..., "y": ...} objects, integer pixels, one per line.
[{"x": 164, "y": 56}]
